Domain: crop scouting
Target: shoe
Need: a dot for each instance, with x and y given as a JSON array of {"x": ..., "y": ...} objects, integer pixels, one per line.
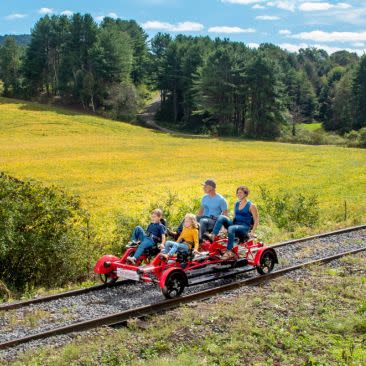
[
  {"x": 132, "y": 244},
  {"x": 211, "y": 237},
  {"x": 164, "y": 256},
  {"x": 228, "y": 255},
  {"x": 131, "y": 260}
]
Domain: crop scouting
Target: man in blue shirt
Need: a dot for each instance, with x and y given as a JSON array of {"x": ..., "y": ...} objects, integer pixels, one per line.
[{"x": 212, "y": 206}]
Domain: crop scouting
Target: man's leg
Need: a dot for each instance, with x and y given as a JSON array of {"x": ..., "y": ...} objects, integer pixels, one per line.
[{"x": 203, "y": 226}]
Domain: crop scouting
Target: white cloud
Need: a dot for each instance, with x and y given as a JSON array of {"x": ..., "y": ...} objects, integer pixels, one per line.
[
  {"x": 99, "y": 18},
  {"x": 67, "y": 12},
  {"x": 283, "y": 4},
  {"x": 257, "y": 6},
  {"x": 295, "y": 48},
  {"x": 15, "y": 16},
  {"x": 321, "y": 6},
  {"x": 241, "y": 2},
  {"x": 225, "y": 29},
  {"x": 321, "y": 36},
  {"x": 267, "y": 17},
  {"x": 45, "y": 11},
  {"x": 178, "y": 27},
  {"x": 284, "y": 32}
]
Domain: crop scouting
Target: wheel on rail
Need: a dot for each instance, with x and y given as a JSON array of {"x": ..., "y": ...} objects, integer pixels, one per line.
[
  {"x": 266, "y": 263},
  {"x": 107, "y": 279},
  {"x": 175, "y": 284}
]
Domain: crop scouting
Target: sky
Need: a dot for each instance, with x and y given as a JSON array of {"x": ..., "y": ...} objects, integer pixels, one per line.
[{"x": 292, "y": 24}]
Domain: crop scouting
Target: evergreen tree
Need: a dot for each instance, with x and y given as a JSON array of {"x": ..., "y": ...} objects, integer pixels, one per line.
[
  {"x": 359, "y": 92},
  {"x": 10, "y": 67}
]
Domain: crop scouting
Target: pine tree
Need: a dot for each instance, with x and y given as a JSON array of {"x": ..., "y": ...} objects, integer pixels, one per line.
[{"x": 10, "y": 67}]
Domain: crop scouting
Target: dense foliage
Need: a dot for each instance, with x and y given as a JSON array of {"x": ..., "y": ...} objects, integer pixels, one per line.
[
  {"x": 215, "y": 86},
  {"x": 44, "y": 235}
]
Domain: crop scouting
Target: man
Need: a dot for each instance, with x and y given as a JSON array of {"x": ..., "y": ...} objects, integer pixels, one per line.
[{"x": 212, "y": 206}]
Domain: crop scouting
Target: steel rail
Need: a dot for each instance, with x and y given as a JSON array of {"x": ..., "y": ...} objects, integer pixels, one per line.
[
  {"x": 43, "y": 299},
  {"x": 122, "y": 317}
]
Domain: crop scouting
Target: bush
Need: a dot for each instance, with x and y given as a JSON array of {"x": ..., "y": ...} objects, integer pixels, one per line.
[
  {"x": 313, "y": 138},
  {"x": 289, "y": 210},
  {"x": 44, "y": 235},
  {"x": 174, "y": 210}
]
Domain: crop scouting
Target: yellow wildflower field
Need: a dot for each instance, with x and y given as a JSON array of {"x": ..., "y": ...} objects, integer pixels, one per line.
[{"x": 116, "y": 166}]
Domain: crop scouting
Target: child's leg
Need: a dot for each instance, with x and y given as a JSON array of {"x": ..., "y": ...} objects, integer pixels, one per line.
[
  {"x": 177, "y": 246},
  {"x": 145, "y": 244},
  {"x": 138, "y": 234},
  {"x": 168, "y": 245}
]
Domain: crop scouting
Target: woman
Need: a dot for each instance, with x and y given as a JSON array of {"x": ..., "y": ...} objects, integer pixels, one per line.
[{"x": 245, "y": 221}]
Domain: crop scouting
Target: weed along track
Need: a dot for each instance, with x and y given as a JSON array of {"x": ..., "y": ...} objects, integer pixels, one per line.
[
  {"x": 295, "y": 244},
  {"x": 95, "y": 307}
]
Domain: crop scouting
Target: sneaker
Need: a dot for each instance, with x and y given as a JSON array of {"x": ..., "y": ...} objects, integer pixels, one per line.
[
  {"x": 133, "y": 244},
  {"x": 211, "y": 237},
  {"x": 131, "y": 260},
  {"x": 228, "y": 255}
]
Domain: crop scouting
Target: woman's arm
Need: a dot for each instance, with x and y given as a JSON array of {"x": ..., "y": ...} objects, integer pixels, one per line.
[{"x": 254, "y": 212}]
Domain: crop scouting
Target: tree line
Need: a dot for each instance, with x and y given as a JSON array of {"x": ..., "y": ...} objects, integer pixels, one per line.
[{"x": 216, "y": 86}]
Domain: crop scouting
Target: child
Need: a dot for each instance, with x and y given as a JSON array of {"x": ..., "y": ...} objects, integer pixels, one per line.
[
  {"x": 186, "y": 240},
  {"x": 155, "y": 233}
]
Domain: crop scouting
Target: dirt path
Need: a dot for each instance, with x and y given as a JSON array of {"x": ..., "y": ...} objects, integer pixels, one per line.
[{"x": 147, "y": 117}]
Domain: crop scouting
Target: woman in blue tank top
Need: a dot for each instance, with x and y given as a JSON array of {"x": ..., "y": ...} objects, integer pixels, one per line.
[{"x": 245, "y": 221}]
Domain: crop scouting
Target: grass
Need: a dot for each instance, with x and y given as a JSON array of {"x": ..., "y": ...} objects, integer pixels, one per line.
[
  {"x": 318, "y": 319},
  {"x": 118, "y": 167},
  {"x": 316, "y": 126}
]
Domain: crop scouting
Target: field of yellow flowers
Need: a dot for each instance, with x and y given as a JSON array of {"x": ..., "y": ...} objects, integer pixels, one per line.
[{"x": 118, "y": 167}]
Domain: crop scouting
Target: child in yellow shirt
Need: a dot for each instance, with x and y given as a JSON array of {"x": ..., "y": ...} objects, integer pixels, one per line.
[{"x": 187, "y": 240}]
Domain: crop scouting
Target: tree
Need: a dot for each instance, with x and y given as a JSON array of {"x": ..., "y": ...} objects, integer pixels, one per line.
[
  {"x": 359, "y": 92},
  {"x": 267, "y": 98},
  {"x": 10, "y": 67}
]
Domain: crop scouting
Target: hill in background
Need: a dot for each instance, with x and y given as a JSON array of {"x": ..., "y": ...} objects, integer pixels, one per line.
[{"x": 21, "y": 39}]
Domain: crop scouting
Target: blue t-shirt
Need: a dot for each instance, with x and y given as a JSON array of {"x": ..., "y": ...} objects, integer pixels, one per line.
[
  {"x": 157, "y": 229},
  {"x": 213, "y": 206}
]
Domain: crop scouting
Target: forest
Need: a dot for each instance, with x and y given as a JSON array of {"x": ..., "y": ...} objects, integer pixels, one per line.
[{"x": 212, "y": 86}]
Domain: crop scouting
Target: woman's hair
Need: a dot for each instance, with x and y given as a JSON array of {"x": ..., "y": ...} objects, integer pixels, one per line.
[
  {"x": 157, "y": 212},
  {"x": 244, "y": 189},
  {"x": 193, "y": 219}
]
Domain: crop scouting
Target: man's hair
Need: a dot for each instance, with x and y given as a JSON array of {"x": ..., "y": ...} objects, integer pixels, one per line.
[
  {"x": 157, "y": 212},
  {"x": 245, "y": 190}
]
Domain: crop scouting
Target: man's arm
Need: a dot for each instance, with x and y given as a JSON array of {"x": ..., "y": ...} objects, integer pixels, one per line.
[
  {"x": 163, "y": 239},
  {"x": 200, "y": 211},
  {"x": 224, "y": 208},
  {"x": 254, "y": 212}
]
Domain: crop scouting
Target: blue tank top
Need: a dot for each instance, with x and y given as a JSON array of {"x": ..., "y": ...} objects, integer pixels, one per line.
[{"x": 243, "y": 216}]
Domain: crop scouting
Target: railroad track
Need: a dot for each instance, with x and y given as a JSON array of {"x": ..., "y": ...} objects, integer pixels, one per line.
[
  {"x": 44, "y": 299},
  {"x": 122, "y": 317}
]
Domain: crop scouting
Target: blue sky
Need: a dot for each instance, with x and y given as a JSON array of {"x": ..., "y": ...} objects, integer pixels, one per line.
[{"x": 292, "y": 24}]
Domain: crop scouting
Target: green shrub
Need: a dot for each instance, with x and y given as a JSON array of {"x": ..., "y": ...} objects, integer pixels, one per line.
[
  {"x": 362, "y": 133},
  {"x": 44, "y": 235},
  {"x": 174, "y": 210},
  {"x": 289, "y": 210}
]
